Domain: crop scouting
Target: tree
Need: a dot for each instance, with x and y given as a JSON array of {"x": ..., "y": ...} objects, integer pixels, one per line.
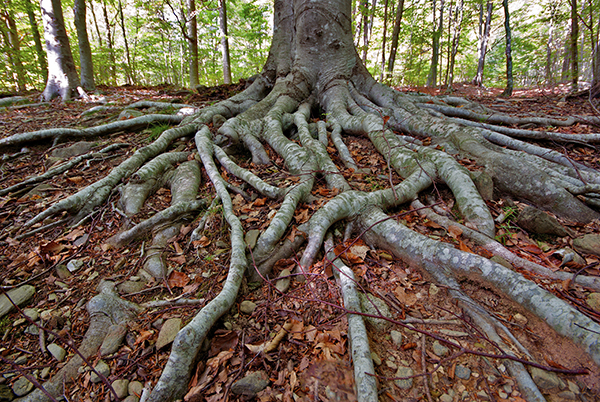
[
  {"x": 85, "y": 51},
  {"x": 314, "y": 72},
  {"x": 224, "y": 41},
  {"x": 192, "y": 38},
  {"x": 62, "y": 76},
  {"x": 573, "y": 46},
  {"x": 11, "y": 37},
  {"x": 39, "y": 49},
  {"x": 435, "y": 46},
  {"x": 484, "y": 36},
  {"x": 395, "y": 36},
  {"x": 508, "y": 51}
]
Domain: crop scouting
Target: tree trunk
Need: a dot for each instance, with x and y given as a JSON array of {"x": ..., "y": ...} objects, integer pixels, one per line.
[
  {"x": 437, "y": 34},
  {"x": 224, "y": 42},
  {"x": 484, "y": 35},
  {"x": 14, "y": 47},
  {"x": 62, "y": 75},
  {"x": 112, "y": 67},
  {"x": 384, "y": 35},
  {"x": 508, "y": 51},
  {"x": 192, "y": 39},
  {"x": 130, "y": 73},
  {"x": 549, "y": 43},
  {"x": 458, "y": 17},
  {"x": 85, "y": 52},
  {"x": 395, "y": 36},
  {"x": 574, "y": 49},
  {"x": 39, "y": 49}
]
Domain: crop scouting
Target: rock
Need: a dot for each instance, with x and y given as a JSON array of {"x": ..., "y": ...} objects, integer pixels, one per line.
[
  {"x": 121, "y": 388},
  {"x": 251, "y": 238},
  {"x": 45, "y": 373},
  {"x": 520, "y": 319},
  {"x": 135, "y": 388},
  {"x": 563, "y": 396},
  {"x": 574, "y": 388},
  {"x": 374, "y": 306},
  {"x": 535, "y": 221},
  {"x": 57, "y": 352},
  {"x": 6, "y": 394},
  {"x": 589, "y": 243},
  {"x": 22, "y": 387},
  {"x": 391, "y": 364},
  {"x": 32, "y": 330},
  {"x": 484, "y": 184},
  {"x": 404, "y": 372},
  {"x": 19, "y": 296},
  {"x": 250, "y": 385},
  {"x": 129, "y": 287},
  {"x": 247, "y": 307},
  {"x": 376, "y": 359},
  {"x": 102, "y": 368},
  {"x": 396, "y": 337},
  {"x": 501, "y": 261},
  {"x": 433, "y": 290},
  {"x": 567, "y": 255},
  {"x": 462, "y": 372},
  {"x": 445, "y": 398},
  {"x": 62, "y": 272},
  {"x": 544, "y": 379},
  {"x": 439, "y": 349},
  {"x": 113, "y": 340},
  {"x": 21, "y": 360},
  {"x": 78, "y": 148},
  {"x": 32, "y": 313},
  {"x": 593, "y": 300},
  {"x": 74, "y": 265},
  {"x": 168, "y": 332},
  {"x": 283, "y": 284}
]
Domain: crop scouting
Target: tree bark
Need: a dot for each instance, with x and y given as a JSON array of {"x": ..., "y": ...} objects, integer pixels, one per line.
[
  {"x": 435, "y": 45},
  {"x": 192, "y": 39},
  {"x": 62, "y": 75},
  {"x": 484, "y": 35},
  {"x": 112, "y": 66},
  {"x": 14, "y": 46},
  {"x": 39, "y": 49},
  {"x": 395, "y": 36},
  {"x": 508, "y": 51},
  {"x": 574, "y": 49},
  {"x": 224, "y": 42},
  {"x": 85, "y": 52},
  {"x": 458, "y": 17},
  {"x": 385, "y": 24},
  {"x": 130, "y": 73}
]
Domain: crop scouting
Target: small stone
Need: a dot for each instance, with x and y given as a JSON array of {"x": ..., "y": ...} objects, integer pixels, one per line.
[
  {"x": 158, "y": 323},
  {"x": 433, "y": 290},
  {"x": 252, "y": 237},
  {"x": 129, "y": 287},
  {"x": 113, "y": 340},
  {"x": 520, "y": 319},
  {"x": 22, "y": 387},
  {"x": 565, "y": 396},
  {"x": 102, "y": 368},
  {"x": 247, "y": 307},
  {"x": 21, "y": 360},
  {"x": 121, "y": 388},
  {"x": 593, "y": 300},
  {"x": 32, "y": 313},
  {"x": 589, "y": 243},
  {"x": 19, "y": 296},
  {"x": 391, "y": 364},
  {"x": 574, "y": 388},
  {"x": 78, "y": 148},
  {"x": 396, "y": 337},
  {"x": 445, "y": 398},
  {"x": 250, "y": 385},
  {"x": 45, "y": 373},
  {"x": 283, "y": 284},
  {"x": 74, "y": 265},
  {"x": 57, "y": 352},
  {"x": 168, "y": 332},
  {"x": 439, "y": 349},
  {"x": 376, "y": 359},
  {"x": 32, "y": 330},
  {"x": 544, "y": 379},
  {"x": 62, "y": 272},
  {"x": 535, "y": 221},
  {"x": 404, "y": 372},
  {"x": 502, "y": 395},
  {"x": 135, "y": 388},
  {"x": 462, "y": 372},
  {"x": 483, "y": 395}
]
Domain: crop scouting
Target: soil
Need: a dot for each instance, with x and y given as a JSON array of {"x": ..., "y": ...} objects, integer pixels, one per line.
[{"x": 313, "y": 361}]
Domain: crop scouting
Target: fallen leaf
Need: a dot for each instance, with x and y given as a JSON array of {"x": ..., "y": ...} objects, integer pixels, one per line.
[
  {"x": 203, "y": 242},
  {"x": 75, "y": 179},
  {"x": 463, "y": 247},
  {"x": 178, "y": 279},
  {"x": 144, "y": 335},
  {"x": 179, "y": 259},
  {"x": 454, "y": 231}
]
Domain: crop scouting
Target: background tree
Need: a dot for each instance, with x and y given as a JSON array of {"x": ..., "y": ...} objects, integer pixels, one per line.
[
  {"x": 435, "y": 46},
  {"x": 508, "y": 51},
  {"x": 85, "y": 51},
  {"x": 192, "y": 38},
  {"x": 13, "y": 45},
  {"x": 224, "y": 41},
  {"x": 484, "y": 35},
  {"x": 573, "y": 46}
]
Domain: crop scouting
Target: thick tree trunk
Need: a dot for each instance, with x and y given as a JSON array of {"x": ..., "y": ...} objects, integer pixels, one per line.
[
  {"x": 192, "y": 39},
  {"x": 224, "y": 42},
  {"x": 62, "y": 75},
  {"x": 39, "y": 49},
  {"x": 484, "y": 35},
  {"x": 508, "y": 52},
  {"x": 85, "y": 52}
]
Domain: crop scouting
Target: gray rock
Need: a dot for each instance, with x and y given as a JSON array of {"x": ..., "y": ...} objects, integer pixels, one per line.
[
  {"x": 102, "y": 368},
  {"x": 45, "y": 373},
  {"x": 376, "y": 359},
  {"x": 6, "y": 394},
  {"x": 121, "y": 388},
  {"x": 62, "y": 272},
  {"x": 57, "y": 352},
  {"x": 535, "y": 221},
  {"x": 79, "y": 148},
  {"x": 283, "y": 284},
  {"x": 32, "y": 313},
  {"x": 375, "y": 306},
  {"x": 247, "y": 307},
  {"x": 462, "y": 372},
  {"x": 544, "y": 379},
  {"x": 446, "y": 398},
  {"x": 32, "y": 330},
  {"x": 22, "y": 387},
  {"x": 564, "y": 396},
  {"x": 252, "y": 237},
  {"x": 135, "y": 388},
  {"x": 439, "y": 349},
  {"x": 129, "y": 287},
  {"x": 168, "y": 332},
  {"x": 396, "y": 337},
  {"x": 404, "y": 372},
  {"x": 19, "y": 296},
  {"x": 589, "y": 243},
  {"x": 433, "y": 290},
  {"x": 21, "y": 360},
  {"x": 113, "y": 340},
  {"x": 250, "y": 385},
  {"x": 74, "y": 265}
]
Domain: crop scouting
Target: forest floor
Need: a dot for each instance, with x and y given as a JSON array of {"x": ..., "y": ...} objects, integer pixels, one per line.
[{"x": 313, "y": 361}]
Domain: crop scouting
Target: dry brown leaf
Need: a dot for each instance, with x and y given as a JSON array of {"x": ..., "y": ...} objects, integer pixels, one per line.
[
  {"x": 178, "y": 279},
  {"x": 143, "y": 336},
  {"x": 463, "y": 247},
  {"x": 454, "y": 231},
  {"x": 203, "y": 242}
]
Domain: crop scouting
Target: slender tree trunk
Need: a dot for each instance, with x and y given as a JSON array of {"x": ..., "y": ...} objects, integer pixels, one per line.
[
  {"x": 435, "y": 57},
  {"x": 192, "y": 38},
  {"x": 365, "y": 29},
  {"x": 14, "y": 46},
  {"x": 455, "y": 41},
  {"x": 395, "y": 36},
  {"x": 109, "y": 41},
  {"x": 484, "y": 35},
  {"x": 85, "y": 52},
  {"x": 62, "y": 75},
  {"x": 508, "y": 51},
  {"x": 130, "y": 73},
  {"x": 549, "y": 58},
  {"x": 224, "y": 42},
  {"x": 385, "y": 21},
  {"x": 35, "y": 32},
  {"x": 574, "y": 50}
]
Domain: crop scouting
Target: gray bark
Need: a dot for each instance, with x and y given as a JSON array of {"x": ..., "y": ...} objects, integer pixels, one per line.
[
  {"x": 39, "y": 49},
  {"x": 85, "y": 52},
  {"x": 484, "y": 35},
  {"x": 192, "y": 38},
  {"x": 224, "y": 41}
]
